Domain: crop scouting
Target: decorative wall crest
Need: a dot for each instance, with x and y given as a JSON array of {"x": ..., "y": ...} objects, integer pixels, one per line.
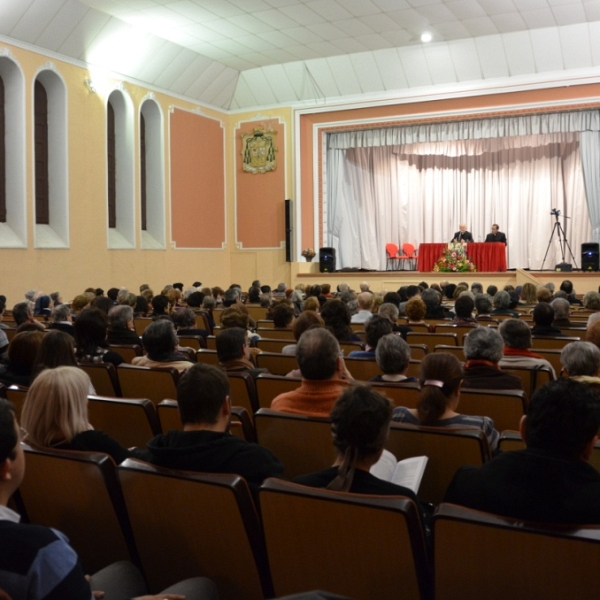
[{"x": 258, "y": 151}]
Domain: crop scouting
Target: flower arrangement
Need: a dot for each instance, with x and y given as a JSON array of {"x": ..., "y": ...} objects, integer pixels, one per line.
[
  {"x": 309, "y": 254},
  {"x": 454, "y": 260}
]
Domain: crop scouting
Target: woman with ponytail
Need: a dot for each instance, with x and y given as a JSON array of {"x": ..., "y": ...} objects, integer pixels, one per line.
[
  {"x": 360, "y": 421},
  {"x": 440, "y": 378}
]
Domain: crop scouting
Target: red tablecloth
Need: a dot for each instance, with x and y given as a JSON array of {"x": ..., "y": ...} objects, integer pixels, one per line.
[{"x": 490, "y": 256}]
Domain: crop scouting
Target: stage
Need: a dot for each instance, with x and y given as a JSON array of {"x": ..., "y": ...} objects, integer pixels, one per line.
[{"x": 308, "y": 274}]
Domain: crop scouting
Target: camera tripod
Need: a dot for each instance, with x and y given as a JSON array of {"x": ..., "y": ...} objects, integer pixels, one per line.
[{"x": 562, "y": 239}]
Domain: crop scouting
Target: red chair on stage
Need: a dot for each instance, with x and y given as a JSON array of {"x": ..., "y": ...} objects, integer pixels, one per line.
[
  {"x": 392, "y": 255},
  {"x": 410, "y": 255}
]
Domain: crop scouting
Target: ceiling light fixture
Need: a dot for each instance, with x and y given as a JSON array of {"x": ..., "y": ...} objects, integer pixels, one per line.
[{"x": 425, "y": 37}]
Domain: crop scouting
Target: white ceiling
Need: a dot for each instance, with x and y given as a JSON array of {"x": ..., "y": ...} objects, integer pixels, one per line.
[{"x": 237, "y": 54}]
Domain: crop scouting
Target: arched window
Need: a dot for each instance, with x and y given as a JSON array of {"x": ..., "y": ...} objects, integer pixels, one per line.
[
  {"x": 51, "y": 161},
  {"x": 42, "y": 201},
  {"x": 152, "y": 182},
  {"x": 120, "y": 171}
]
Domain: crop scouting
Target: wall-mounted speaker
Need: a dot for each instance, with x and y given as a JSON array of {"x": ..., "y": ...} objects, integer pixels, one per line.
[
  {"x": 327, "y": 260},
  {"x": 590, "y": 256}
]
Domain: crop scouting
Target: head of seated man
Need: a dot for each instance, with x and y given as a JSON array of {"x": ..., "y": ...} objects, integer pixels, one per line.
[
  {"x": 161, "y": 344},
  {"x": 282, "y": 313},
  {"x": 376, "y": 327},
  {"x": 322, "y": 368},
  {"x": 581, "y": 361},
  {"x": 550, "y": 481},
  {"x": 121, "y": 317},
  {"x": 483, "y": 349},
  {"x": 205, "y": 443},
  {"x": 233, "y": 350}
]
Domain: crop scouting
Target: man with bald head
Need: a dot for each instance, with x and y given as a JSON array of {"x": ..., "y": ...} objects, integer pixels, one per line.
[
  {"x": 462, "y": 235},
  {"x": 365, "y": 304}
]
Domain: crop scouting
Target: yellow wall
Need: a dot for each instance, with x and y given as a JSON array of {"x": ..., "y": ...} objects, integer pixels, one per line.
[{"x": 88, "y": 261}]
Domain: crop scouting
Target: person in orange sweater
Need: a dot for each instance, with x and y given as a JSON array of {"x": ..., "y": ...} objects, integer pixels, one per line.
[{"x": 324, "y": 376}]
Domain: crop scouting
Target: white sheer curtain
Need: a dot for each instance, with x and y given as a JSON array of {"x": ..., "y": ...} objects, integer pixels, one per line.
[{"x": 420, "y": 192}]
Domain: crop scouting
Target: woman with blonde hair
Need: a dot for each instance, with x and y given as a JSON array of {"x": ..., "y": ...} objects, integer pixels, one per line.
[
  {"x": 440, "y": 379},
  {"x": 55, "y": 415}
]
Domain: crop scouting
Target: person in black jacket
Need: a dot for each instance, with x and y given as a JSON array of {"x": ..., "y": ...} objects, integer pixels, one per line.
[
  {"x": 462, "y": 235},
  {"x": 205, "y": 444},
  {"x": 496, "y": 235},
  {"x": 551, "y": 480}
]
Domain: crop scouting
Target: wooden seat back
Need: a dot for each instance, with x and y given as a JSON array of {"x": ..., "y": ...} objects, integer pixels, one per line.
[
  {"x": 505, "y": 407},
  {"x": 78, "y": 493},
  {"x": 460, "y": 330},
  {"x": 267, "y": 344},
  {"x": 475, "y": 551},
  {"x": 277, "y": 334},
  {"x": 140, "y": 324},
  {"x": 127, "y": 351},
  {"x": 209, "y": 357},
  {"x": 342, "y": 543},
  {"x": 347, "y": 347},
  {"x": 104, "y": 378},
  {"x": 362, "y": 369},
  {"x": 401, "y": 394},
  {"x": 447, "y": 449},
  {"x": 531, "y": 377},
  {"x": 418, "y": 351},
  {"x": 132, "y": 422},
  {"x": 303, "y": 444},
  {"x": 458, "y": 351},
  {"x": 192, "y": 341},
  {"x": 553, "y": 357},
  {"x": 16, "y": 394},
  {"x": 551, "y": 343},
  {"x": 277, "y": 364},
  {"x": 242, "y": 391},
  {"x": 431, "y": 340},
  {"x": 152, "y": 383},
  {"x": 188, "y": 525},
  {"x": 268, "y": 386}
]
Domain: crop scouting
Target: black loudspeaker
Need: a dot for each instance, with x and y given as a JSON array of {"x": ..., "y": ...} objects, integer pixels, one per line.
[
  {"x": 327, "y": 260},
  {"x": 590, "y": 256},
  {"x": 288, "y": 231}
]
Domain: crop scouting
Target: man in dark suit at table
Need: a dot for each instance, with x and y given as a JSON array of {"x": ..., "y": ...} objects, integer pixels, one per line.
[
  {"x": 496, "y": 235},
  {"x": 462, "y": 235}
]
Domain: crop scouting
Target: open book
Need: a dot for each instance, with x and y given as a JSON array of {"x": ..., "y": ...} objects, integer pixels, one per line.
[{"x": 407, "y": 473}]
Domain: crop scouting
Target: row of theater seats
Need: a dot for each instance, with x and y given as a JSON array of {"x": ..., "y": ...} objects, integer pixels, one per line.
[{"x": 176, "y": 525}]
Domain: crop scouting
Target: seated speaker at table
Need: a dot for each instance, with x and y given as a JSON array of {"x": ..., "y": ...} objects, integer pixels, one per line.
[
  {"x": 496, "y": 235},
  {"x": 462, "y": 235}
]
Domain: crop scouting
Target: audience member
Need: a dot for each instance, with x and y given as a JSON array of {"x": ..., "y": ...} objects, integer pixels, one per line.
[
  {"x": 305, "y": 320},
  {"x": 567, "y": 286},
  {"x": 104, "y": 303},
  {"x": 360, "y": 423},
  {"x": 433, "y": 302},
  {"x": 121, "y": 329},
  {"x": 463, "y": 309},
  {"x": 408, "y": 292},
  {"x": 185, "y": 323},
  {"x": 365, "y": 303},
  {"x": 282, "y": 314},
  {"x": 337, "y": 319},
  {"x": 17, "y": 367},
  {"x": 483, "y": 307},
  {"x": 375, "y": 329},
  {"x": 483, "y": 349},
  {"x": 393, "y": 357},
  {"x": 562, "y": 309},
  {"x": 22, "y": 313},
  {"x": 517, "y": 347},
  {"x": 543, "y": 317},
  {"x": 550, "y": 481},
  {"x": 234, "y": 353},
  {"x": 57, "y": 349},
  {"x": 415, "y": 310},
  {"x": 581, "y": 361},
  {"x": 501, "y": 305},
  {"x": 43, "y": 306},
  {"x": 91, "y": 329},
  {"x": 55, "y": 414},
  {"x": 543, "y": 294},
  {"x": 527, "y": 295},
  {"x": 322, "y": 369},
  {"x": 161, "y": 343},
  {"x": 205, "y": 444},
  {"x": 591, "y": 301},
  {"x": 440, "y": 378},
  {"x": 390, "y": 311}
]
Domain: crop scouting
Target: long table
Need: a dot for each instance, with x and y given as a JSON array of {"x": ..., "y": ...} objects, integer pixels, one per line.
[{"x": 487, "y": 256}]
